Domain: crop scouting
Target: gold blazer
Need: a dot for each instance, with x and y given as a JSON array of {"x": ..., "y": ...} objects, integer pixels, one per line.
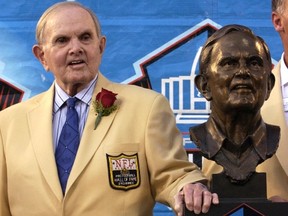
[{"x": 141, "y": 133}]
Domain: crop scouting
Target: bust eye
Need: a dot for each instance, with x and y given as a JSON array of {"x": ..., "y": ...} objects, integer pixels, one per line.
[
  {"x": 231, "y": 63},
  {"x": 228, "y": 62},
  {"x": 256, "y": 62}
]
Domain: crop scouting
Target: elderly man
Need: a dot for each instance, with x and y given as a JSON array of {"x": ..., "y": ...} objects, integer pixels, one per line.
[{"x": 89, "y": 146}]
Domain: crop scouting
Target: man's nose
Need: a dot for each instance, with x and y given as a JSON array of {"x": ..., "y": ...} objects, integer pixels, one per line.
[{"x": 75, "y": 47}]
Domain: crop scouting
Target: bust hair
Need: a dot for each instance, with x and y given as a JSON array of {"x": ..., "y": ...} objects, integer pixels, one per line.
[{"x": 206, "y": 52}]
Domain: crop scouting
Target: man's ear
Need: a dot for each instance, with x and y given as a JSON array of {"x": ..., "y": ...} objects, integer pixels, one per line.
[
  {"x": 39, "y": 54},
  {"x": 277, "y": 21},
  {"x": 102, "y": 44},
  {"x": 201, "y": 83},
  {"x": 270, "y": 85}
]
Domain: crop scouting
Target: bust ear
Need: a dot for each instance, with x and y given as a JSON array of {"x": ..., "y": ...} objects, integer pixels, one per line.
[
  {"x": 201, "y": 83},
  {"x": 270, "y": 85}
]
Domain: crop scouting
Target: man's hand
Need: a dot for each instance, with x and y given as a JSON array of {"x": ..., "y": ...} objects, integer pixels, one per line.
[
  {"x": 277, "y": 199},
  {"x": 196, "y": 197}
]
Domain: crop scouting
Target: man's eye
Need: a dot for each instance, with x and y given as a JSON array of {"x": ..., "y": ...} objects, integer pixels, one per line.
[
  {"x": 61, "y": 40},
  {"x": 85, "y": 37}
]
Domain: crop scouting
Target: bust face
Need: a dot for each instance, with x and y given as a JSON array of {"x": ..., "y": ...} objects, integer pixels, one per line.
[{"x": 239, "y": 73}]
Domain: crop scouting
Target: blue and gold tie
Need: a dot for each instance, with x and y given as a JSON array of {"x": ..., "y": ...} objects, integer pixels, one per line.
[{"x": 68, "y": 143}]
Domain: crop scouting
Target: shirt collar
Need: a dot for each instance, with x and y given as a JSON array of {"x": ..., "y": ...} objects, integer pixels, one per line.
[
  {"x": 85, "y": 95},
  {"x": 283, "y": 71},
  {"x": 258, "y": 138}
]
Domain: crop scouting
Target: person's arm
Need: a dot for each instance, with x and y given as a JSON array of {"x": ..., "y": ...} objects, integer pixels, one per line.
[
  {"x": 170, "y": 171},
  {"x": 4, "y": 205}
]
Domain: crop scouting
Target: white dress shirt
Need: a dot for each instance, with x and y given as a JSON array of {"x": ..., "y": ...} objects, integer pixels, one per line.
[
  {"x": 284, "y": 85},
  {"x": 60, "y": 110}
]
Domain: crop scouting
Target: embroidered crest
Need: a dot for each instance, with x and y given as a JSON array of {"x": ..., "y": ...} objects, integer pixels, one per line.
[{"x": 124, "y": 171}]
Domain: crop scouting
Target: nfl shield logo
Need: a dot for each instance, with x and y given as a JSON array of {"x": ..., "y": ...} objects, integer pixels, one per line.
[{"x": 124, "y": 171}]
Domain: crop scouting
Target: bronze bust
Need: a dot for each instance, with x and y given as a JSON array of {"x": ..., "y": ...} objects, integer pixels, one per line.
[{"x": 235, "y": 76}]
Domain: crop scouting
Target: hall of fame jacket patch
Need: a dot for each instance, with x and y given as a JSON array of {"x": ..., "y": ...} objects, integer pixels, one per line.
[{"x": 124, "y": 173}]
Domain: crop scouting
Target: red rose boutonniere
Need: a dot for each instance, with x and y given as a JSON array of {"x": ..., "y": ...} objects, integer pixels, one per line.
[{"x": 104, "y": 104}]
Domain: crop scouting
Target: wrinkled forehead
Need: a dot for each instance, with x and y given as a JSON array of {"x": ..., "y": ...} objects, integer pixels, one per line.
[
  {"x": 239, "y": 39},
  {"x": 68, "y": 14},
  {"x": 63, "y": 13}
]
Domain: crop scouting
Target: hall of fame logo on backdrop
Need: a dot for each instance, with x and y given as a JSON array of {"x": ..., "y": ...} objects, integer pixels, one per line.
[
  {"x": 170, "y": 70},
  {"x": 11, "y": 92}
]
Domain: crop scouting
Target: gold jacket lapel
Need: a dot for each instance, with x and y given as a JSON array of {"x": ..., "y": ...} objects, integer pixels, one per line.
[{"x": 41, "y": 136}]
